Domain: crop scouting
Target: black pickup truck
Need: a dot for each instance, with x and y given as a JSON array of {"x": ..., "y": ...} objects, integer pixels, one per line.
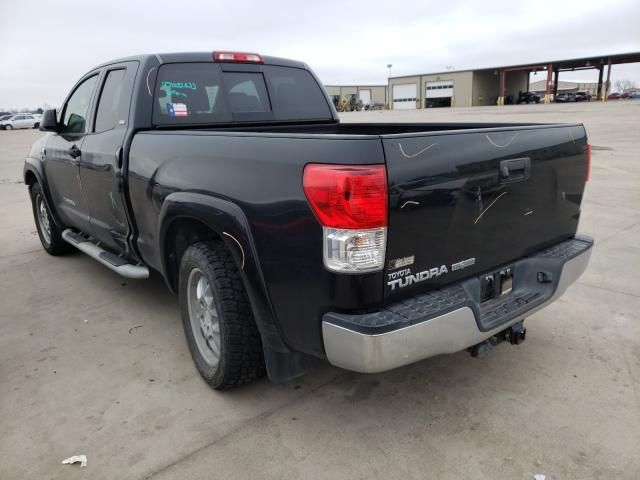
[{"x": 291, "y": 238}]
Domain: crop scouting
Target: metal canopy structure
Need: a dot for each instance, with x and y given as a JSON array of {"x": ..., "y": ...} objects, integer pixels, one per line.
[{"x": 553, "y": 69}]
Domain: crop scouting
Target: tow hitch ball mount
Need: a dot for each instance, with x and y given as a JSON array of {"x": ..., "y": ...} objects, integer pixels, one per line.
[{"x": 515, "y": 335}]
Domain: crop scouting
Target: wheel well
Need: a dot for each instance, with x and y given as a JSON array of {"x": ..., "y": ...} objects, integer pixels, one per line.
[
  {"x": 181, "y": 233},
  {"x": 30, "y": 178}
]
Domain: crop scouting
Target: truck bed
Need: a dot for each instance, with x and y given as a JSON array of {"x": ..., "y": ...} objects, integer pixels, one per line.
[
  {"x": 449, "y": 203},
  {"x": 333, "y": 128}
]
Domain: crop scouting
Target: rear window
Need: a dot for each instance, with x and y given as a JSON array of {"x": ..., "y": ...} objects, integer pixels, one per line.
[{"x": 201, "y": 93}]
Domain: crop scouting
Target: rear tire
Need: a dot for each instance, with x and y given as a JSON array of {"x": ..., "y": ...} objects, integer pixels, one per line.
[
  {"x": 36, "y": 125},
  {"x": 216, "y": 315},
  {"x": 48, "y": 232}
]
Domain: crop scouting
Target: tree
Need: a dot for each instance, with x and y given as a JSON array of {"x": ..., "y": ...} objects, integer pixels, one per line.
[{"x": 622, "y": 85}]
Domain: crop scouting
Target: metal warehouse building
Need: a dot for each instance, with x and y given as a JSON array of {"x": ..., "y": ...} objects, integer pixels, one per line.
[
  {"x": 492, "y": 86},
  {"x": 368, "y": 94}
]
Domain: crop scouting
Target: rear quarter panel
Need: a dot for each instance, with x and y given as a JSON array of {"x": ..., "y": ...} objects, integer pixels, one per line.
[{"x": 262, "y": 174}]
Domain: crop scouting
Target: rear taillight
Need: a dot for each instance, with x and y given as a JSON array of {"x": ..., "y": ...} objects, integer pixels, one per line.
[
  {"x": 588, "y": 162},
  {"x": 237, "y": 57},
  {"x": 351, "y": 204}
]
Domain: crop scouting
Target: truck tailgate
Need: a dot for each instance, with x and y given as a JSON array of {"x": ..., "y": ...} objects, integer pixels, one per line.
[{"x": 461, "y": 203}]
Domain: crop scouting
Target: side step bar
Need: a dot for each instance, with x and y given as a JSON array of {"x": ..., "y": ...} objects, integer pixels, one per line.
[{"x": 108, "y": 259}]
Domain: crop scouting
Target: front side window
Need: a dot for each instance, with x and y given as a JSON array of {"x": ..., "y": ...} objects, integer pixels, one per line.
[
  {"x": 110, "y": 105},
  {"x": 77, "y": 108}
]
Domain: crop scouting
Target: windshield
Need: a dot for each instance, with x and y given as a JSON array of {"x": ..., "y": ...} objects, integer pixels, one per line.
[{"x": 202, "y": 93}]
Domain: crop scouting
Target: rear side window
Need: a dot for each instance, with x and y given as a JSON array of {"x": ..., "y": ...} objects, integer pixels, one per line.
[
  {"x": 201, "y": 93},
  {"x": 111, "y": 100}
]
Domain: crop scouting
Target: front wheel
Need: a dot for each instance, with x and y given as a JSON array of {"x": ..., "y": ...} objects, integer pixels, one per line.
[
  {"x": 8, "y": 127},
  {"x": 49, "y": 233},
  {"x": 218, "y": 323}
]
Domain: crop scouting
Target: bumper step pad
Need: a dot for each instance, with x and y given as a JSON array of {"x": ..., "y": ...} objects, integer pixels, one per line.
[{"x": 526, "y": 295}]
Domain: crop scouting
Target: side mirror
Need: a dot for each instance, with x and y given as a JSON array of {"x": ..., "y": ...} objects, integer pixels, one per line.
[{"x": 49, "y": 121}]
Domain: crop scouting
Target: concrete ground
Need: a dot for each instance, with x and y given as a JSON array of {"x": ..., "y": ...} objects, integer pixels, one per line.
[{"x": 94, "y": 364}]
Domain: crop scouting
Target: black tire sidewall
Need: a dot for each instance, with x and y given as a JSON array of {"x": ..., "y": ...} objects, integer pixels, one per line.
[
  {"x": 194, "y": 258},
  {"x": 56, "y": 245},
  {"x": 36, "y": 192}
]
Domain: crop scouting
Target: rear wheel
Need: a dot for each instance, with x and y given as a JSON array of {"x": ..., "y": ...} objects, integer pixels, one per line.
[
  {"x": 218, "y": 323},
  {"x": 36, "y": 125},
  {"x": 49, "y": 233}
]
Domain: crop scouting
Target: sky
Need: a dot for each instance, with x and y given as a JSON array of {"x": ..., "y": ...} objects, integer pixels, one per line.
[{"x": 45, "y": 46}]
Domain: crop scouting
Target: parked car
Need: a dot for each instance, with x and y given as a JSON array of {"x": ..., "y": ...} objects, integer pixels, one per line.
[
  {"x": 565, "y": 97},
  {"x": 292, "y": 238},
  {"x": 634, "y": 95},
  {"x": 6, "y": 116},
  {"x": 614, "y": 96},
  {"x": 528, "y": 97},
  {"x": 22, "y": 120},
  {"x": 582, "y": 97}
]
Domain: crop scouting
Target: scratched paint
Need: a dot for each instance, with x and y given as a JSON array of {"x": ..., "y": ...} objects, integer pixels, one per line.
[
  {"x": 497, "y": 145},
  {"x": 113, "y": 202},
  {"x": 488, "y": 207},
  {"x": 409, "y": 202},
  {"x": 406, "y": 155}
]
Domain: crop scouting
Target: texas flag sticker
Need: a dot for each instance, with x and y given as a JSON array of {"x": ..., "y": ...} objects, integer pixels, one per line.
[{"x": 177, "y": 110}]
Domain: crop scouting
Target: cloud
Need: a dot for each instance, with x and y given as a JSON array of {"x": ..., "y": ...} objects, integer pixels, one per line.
[{"x": 47, "y": 46}]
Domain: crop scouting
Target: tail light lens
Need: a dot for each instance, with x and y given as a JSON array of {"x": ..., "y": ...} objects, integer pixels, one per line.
[
  {"x": 588, "y": 162},
  {"x": 351, "y": 204}
]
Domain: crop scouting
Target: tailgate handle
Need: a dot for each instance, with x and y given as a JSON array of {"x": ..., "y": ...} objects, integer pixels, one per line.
[{"x": 515, "y": 170}]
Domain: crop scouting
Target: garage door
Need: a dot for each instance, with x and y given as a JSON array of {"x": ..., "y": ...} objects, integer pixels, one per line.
[
  {"x": 440, "y": 89},
  {"x": 365, "y": 96},
  {"x": 404, "y": 96}
]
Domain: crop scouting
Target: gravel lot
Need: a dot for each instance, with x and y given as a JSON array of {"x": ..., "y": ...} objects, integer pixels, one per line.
[{"x": 566, "y": 403}]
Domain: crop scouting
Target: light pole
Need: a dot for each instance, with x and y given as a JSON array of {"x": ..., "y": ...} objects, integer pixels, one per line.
[{"x": 388, "y": 93}]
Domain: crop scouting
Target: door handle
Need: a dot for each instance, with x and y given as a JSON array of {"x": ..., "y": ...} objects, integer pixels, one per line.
[
  {"x": 74, "y": 152},
  {"x": 515, "y": 170}
]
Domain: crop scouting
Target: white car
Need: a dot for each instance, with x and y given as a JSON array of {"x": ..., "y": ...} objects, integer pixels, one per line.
[{"x": 21, "y": 120}]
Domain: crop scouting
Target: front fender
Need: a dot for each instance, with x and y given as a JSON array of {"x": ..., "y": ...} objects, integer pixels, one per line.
[
  {"x": 34, "y": 166},
  {"x": 229, "y": 222}
]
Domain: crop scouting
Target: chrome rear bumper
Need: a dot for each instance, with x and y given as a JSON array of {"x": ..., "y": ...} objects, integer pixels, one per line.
[{"x": 412, "y": 330}]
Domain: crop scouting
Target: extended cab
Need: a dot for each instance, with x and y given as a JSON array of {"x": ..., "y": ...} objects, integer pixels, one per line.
[{"x": 290, "y": 237}]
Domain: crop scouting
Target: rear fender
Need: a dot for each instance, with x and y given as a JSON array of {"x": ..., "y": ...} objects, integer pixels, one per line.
[{"x": 230, "y": 224}]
